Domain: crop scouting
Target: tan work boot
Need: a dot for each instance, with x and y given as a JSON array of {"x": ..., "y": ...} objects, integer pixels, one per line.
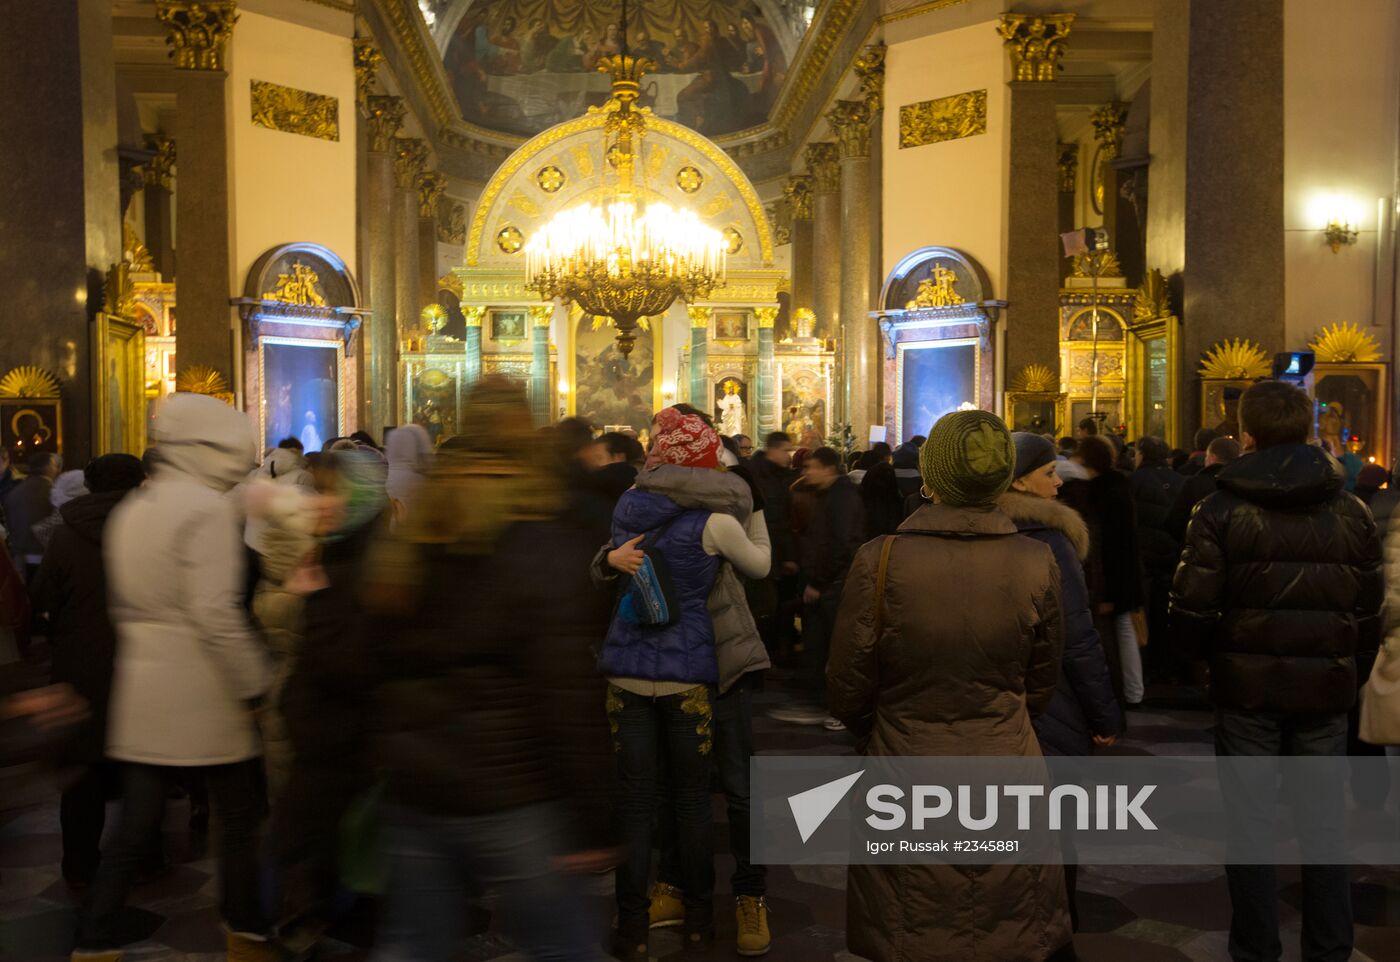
[
  {"x": 247, "y": 947},
  {"x": 667, "y": 909},
  {"x": 751, "y": 920}
]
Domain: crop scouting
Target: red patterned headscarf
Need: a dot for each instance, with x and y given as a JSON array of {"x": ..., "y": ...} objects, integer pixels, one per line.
[{"x": 683, "y": 439}]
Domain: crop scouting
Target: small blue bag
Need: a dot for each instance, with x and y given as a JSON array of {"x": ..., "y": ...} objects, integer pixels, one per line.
[{"x": 649, "y": 596}]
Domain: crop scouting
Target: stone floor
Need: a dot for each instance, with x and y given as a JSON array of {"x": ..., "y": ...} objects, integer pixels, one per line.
[{"x": 1137, "y": 913}]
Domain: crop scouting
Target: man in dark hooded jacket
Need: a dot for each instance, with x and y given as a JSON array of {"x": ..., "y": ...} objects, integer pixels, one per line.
[
  {"x": 71, "y": 587},
  {"x": 1281, "y": 586}
]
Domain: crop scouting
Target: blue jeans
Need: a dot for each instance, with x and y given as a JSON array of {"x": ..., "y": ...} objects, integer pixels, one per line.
[
  {"x": 434, "y": 861},
  {"x": 678, "y": 730},
  {"x": 1251, "y": 812}
]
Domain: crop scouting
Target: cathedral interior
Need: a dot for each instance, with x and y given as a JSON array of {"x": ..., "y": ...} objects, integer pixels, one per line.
[{"x": 338, "y": 215}]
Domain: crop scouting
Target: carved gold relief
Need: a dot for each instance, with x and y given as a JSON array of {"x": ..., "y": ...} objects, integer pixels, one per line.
[
  {"x": 203, "y": 379},
  {"x": 510, "y": 240},
  {"x": 734, "y": 239},
  {"x": 384, "y": 115},
  {"x": 1035, "y": 379},
  {"x": 798, "y": 191},
  {"x": 869, "y": 68},
  {"x": 295, "y": 111},
  {"x": 430, "y": 185},
  {"x": 450, "y": 282},
  {"x": 524, "y": 204},
  {"x": 583, "y": 160},
  {"x": 433, "y": 318},
  {"x": 1108, "y": 123},
  {"x": 1069, "y": 167},
  {"x": 716, "y": 205},
  {"x": 656, "y": 159},
  {"x": 197, "y": 31},
  {"x": 823, "y": 161},
  {"x": 118, "y": 291},
  {"x": 699, "y": 316},
  {"x": 452, "y": 223},
  {"x": 474, "y": 315},
  {"x": 1108, "y": 268},
  {"x": 135, "y": 253},
  {"x": 1151, "y": 301},
  {"x": 1345, "y": 343},
  {"x": 689, "y": 179},
  {"x": 1036, "y": 43},
  {"x": 947, "y": 118},
  {"x": 410, "y": 157},
  {"x": 1235, "y": 360},
  {"x": 851, "y": 122},
  {"x": 766, "y": 316},
  {"x": 301, "y": 285},
  {"x": 549, "y": 179},
  {"x": 367, "y": 62},
  {"x": 159, "y": 171},
  {"x": 28, "y": 381},
  {"x": 937, "y": 291}
]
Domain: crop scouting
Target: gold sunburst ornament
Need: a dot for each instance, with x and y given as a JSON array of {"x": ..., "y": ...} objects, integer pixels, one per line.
[
  {"x": 29, "y": 381},
  {"x": 1034, "y": 379},
  {"x": 1343, "y": 343},
  {"x": 1237, "y": 360},
  {"x": 202, "y": 379},
  {"x": 434, "y": 318}
]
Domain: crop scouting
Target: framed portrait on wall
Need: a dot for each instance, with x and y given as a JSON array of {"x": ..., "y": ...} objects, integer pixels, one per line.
[
  {"x": 302, "y": 392},
  {"x": 30, "y": 426},
  {"x": 732, "y": 326},
  {"x": 1035, "y": 411},
  {"x": 119, "y": 386},
  {"x": 1220, "y": 405},
  {"x": 1352, "y": 408},
  {"x": 933, "y": 378},
  {"x": 510, "y": 325}
]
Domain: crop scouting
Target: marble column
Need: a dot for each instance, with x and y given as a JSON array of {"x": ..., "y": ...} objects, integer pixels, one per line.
[
  {"x": 472, "y": 372},
  {"x": 384, "y": 117},
  {"x": 410, "y": 154},
  {"x": 198, "y": 34},
  {"x": 767, "y": 388},
  {"x": 798, "y": 191},
  {"x": 541, "y": 391},
  {"x": 59, "y": 225},
  {"x": 430, "y": 187},
  {"x": 850, "y": 119},
  {"x": 1031, "y": 268},
  {"x": 700, "y": 358},
  {"x": 824, "y": 166}
]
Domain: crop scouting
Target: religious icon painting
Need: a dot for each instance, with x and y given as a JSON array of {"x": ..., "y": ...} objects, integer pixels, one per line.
[
  {"x": 511, "y": 325},
  {"x": 731, "y": 406},
  {"x": 732, "y": 326}
]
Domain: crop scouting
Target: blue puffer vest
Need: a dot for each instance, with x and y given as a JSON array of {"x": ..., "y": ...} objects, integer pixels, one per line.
[{"x": 685, "y": 649}]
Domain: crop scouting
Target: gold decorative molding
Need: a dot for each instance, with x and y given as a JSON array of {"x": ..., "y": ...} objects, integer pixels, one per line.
[
  {"x": 699, "y": 317},
  {"x": 1237, "y": 360},
  {"x": 1068, "y": 164},
  {"x": 159, "y": 171},
  {"x": 510, "y": 240},
  {"x": 368, "y": 60},
  {"x": 937, "y": 291},
  {"x": 1345, "y": 343},
  {"x": 384, "y": 116},
  {"x": 29, "y": 381},
  {"x": 136, "y": 254},
  {"x": 947, "y": 118},
  {"x": 203, "y": 379},
  {"x": 689, "y": 179},
  {"x": 1035, "y": 379},
  {"x": 919, "y": 9},
  {"x": 798, "y": 191},
  {"x": 1108, "y": 123},
  {"x": 823, "y": 160},
  {"x": 301, "y": 286},
  {"x": 197, "y": 31},
  {"x": 451, "y": 282},
  {"x": 410, "y": 156},
  {"x": 430, "y": 185},
  {"x": 1108, "y": 267},
  {"x": 766, "y": 316},
  {"x": 541, "y": 315},
  {"x": 550, "y": 179},
  {"x": 869, "y": 67},
  {"x": 1036, "y": 43},
  {"x": 410, "y": 36},
  {"x": 295, "y": 111},
  {"x": 452, "y": 222},
  {"x": 118, "y": 291},
  {"x": 474, "y": 314},
  {"x": 851, "y": 123},
  {"x": 818, "y": 47},
  {"x": 1151, "y": 301}
]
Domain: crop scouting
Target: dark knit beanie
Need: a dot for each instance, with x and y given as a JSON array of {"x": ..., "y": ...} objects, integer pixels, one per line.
[
  {"x": 1032, "y": 451},
  {"x": 968, "y": 459}
]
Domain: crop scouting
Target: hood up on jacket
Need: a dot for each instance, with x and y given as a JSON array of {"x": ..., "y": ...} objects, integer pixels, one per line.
[
  {"x": 699, "y": 488},
  {"x": 205, "y": 439},
  {"x": 1285, "y": 476},
  {"x": 87, "y": 515},
  {"x": 1030, "y": 511}
]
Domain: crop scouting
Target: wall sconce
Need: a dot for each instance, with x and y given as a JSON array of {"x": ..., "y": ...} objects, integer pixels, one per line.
[
  {"x": 1338, "y": 233},
  {"x": 563, "y": 386},
  {"x": 668, "y": 392}
]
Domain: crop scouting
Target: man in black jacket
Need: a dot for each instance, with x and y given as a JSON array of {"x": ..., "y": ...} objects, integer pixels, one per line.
[
  {"x": 1220, "y": 453},
  {"x": 1281, "y": 585},
  {"x": 776, "y": 595}
]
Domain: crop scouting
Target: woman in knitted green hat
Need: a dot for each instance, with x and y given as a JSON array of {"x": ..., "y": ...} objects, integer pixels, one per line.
[{"x": 952, "y": 628}]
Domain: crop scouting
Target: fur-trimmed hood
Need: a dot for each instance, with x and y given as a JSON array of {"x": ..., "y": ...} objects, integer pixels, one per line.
[{"x": 1029, "y": 509}]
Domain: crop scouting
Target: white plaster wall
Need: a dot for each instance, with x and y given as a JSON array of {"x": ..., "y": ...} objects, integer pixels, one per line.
[
  {"x": 1341, "y": 90},
  {"x": 950, "y": 193},
  {"x": 287, "y": 187}
]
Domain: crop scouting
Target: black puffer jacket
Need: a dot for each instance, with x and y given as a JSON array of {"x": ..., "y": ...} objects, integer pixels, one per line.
[
  {"x": 1155, "y": 487},
  {"x": 1084, "y": 703},
  {"x": 1281, "y": 584}
]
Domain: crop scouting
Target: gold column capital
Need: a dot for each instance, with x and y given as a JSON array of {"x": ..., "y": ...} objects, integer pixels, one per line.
[
  {"x": 159, "y": 171},
  {"x": 699, "y": 317},
  {"x": 1109, "y": 123},
  {"x": 798, "y": 191},
  {"x": 367, "y": 61},
  {"x": 851, "y": 122},
  {"x": 430, "y": 185},
  {"x": 1068, "y": 163},
  {"x": 197, "y": 31},
  {"x": 1036, "y": 43},
  {"x": 474, "y": 314},
  {"x": 384, "y": 116},
  {"x": 870, "y": 71},
  {"x": 410, "y": 156},
  {"x": 541, "y": 315},
  {"x": 767, "y": 317},
  {"x": 823, "y": 161}
]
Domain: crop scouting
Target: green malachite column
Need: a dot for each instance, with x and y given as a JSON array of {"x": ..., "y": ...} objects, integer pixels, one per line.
[
  {"x": 541, "y": 395},
  {"x": 767, "y": 374},
  {"x": 700, "y": 358},
  {"x": 472, "y": 370}
]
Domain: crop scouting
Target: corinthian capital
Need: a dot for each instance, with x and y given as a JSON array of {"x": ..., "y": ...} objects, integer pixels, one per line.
[
  {"x": 1036, "y": 43},
  {"x": 410, "y": 156},
  {"x": 798, "y": 191},
  {"x": 197, "y": 31},
  {"x": 850, "y": 121},
  {"x": 384, "y": 116},
  {"x": 824, "y": 165},
  {"x": 431, "y": 184}
]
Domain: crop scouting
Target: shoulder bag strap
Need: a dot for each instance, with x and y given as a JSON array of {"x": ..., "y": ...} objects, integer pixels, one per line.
[{"x": 880, "y": 585}]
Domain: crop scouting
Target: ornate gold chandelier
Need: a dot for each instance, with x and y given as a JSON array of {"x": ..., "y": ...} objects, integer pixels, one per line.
[{"x": 625, "y": 259}]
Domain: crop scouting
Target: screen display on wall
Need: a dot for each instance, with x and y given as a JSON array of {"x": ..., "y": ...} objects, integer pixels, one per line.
[
  {"x": 935, "y": 378},
  {"x": 301, "y": 392}
]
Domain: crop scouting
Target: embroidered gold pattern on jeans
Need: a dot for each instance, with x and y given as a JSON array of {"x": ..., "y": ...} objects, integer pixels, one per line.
[
  {"x": 614, "y": 706},
  {"x": 697, "y": 702}
]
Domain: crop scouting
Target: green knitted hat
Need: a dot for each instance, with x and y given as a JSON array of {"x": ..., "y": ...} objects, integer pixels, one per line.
[{"x": 968, "y": 459}]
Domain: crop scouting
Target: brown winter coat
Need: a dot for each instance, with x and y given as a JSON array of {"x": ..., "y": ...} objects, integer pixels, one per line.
[{"x": 970, "y": 647}]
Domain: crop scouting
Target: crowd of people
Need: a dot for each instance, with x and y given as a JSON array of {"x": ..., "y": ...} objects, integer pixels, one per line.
[{"x": 414, "y": 674}]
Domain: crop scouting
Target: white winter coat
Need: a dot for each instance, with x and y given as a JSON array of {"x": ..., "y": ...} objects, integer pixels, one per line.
[{"x": 187, "y": 660}]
